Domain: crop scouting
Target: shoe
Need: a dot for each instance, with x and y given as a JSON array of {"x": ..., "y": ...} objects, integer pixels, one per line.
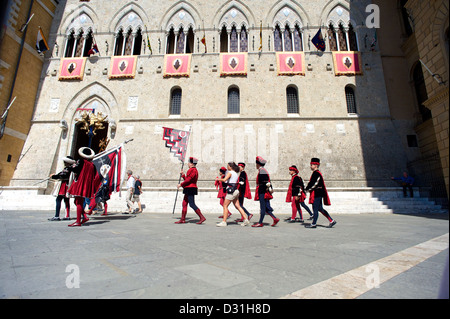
[
  {"x": 250, "y": 217},
  {"x": 202, "y": 219},
  {"x": 222, "y": 224},
  {"x": 84, "y": 220},
  {"x": 181, "y": 221},
  {"x": 290, "y": 220},
  {"x": 301, "y": 221},
  {"x": 66, "y": 218},
  {"x": 275, "y": 221},
  {"x": 245, "y": 223},
  {"x": 332, "y": 224},
  {"x": 257, "y": 225},
  {"x": 54, "y": 219},
  {"x": 310, "y": 226},
  {"x": 74, "y": 224}
]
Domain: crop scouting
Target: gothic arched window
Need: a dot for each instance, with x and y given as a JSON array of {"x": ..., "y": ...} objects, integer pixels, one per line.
[
  {"x": 233, "y": 100},
  {"x": 175, "y": 101},
  {"x": 350, "y": 99},
  {"x": 292, "y": 100}
]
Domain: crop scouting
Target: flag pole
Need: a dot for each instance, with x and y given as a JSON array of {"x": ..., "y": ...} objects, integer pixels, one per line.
[{"x": 179, "y": 179}]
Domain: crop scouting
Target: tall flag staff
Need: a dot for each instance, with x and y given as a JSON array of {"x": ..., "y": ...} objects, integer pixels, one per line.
[
  {"x": 4, "y": 117},
  {"x": 177, "y": 141}
]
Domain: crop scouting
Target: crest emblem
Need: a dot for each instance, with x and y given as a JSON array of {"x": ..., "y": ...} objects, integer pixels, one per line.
[
  {"x": 347, "y": 61},
  {"x": 233, "y": 62},
  {"x": 123, "y": 65},
  {"x": 177, "y": 64},
  {"x": 71, "y": 67},
  {"x": 290, "y": 62}
]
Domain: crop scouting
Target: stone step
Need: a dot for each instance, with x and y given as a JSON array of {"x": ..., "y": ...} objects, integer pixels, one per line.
[{"x": 345, "y": 202}]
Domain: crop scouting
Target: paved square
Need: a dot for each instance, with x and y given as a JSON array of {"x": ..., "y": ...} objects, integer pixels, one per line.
[{"x": 148, "y": 256}]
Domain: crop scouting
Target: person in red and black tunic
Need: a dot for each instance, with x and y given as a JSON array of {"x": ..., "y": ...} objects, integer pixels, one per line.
[
  {"x": 262, "y": 193},
  {"x": 244, "y": 190},
  {"x": 295, "y": 193},
  {"x": 61, "y": 188},
  {"x": 318, "y": 191},
  {"x": 82, "y": 186},
  {"x": 190, "y": 190}
]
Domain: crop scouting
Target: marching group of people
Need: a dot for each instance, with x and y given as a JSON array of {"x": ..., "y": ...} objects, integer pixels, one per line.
[
  {"x": 233, "y": 186},
  {"x": 79, "y": 179}
]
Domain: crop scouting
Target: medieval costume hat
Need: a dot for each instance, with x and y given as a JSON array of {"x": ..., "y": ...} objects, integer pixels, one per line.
[
  {"x": 294, "y": 168},
  {"x": 193, "y": 160},
  {"x": 86, "y": 152},
  {"x": 241, "y": 164},
  {"x": 261, "y": 161},
  {"x": 223, "y": 170},
  {"x": 315, "y": 161},
  {"x": 68, "y": 160}
]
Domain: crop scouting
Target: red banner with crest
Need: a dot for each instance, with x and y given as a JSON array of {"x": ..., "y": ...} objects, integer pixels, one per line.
[
  {"x": 291, "y": 63},
  {"x": 234, "y": 63},
  {"x": 123, "y": 67},
  {"x": 72, "y": 68},
  {"x": 347, "y": 63},
  {"x": 177, "y": 65}
]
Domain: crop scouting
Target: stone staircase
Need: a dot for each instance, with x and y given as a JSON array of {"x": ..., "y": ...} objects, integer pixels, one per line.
[{"x": 160, "y": 200}]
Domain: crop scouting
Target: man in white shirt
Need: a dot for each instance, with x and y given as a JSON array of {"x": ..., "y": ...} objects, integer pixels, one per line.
[{"x": 130, "y": 190}]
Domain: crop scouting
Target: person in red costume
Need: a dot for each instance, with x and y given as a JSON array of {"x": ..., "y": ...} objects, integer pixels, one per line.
[
  {"x": 262, "y": 194},
  {"x": 318, "y": 192},
  {"x": 82, "y": 186},
  {"x": 222, "y": 187},
  {"x": 60, "y": 190},
  {"x": 295, "y": 193},
  {"x": 244, "y": 190},
  {"x": 190, "y": 190}
]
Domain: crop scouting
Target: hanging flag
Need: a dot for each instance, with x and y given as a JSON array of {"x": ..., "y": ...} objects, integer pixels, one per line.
[
  {"x": 41, "y": 43},
  {"x": 318, "y": 41},
  {"x": 177, "y": 141},
  {"x": 374, "y": 41},
  {"x": 204, "y": 42},
  {"x": 93, "y": 50},
  {"x": 114, "y": 160},
  {"x": 260, "y": 37}
]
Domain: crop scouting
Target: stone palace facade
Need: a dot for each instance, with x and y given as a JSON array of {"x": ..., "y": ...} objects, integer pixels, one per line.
[{"x": 243, "y": 76}]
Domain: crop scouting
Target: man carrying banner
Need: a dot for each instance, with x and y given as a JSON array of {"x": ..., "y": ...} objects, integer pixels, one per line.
[
  {"x": 82, "y": 186},
  {"x": 190, "y": 190}
]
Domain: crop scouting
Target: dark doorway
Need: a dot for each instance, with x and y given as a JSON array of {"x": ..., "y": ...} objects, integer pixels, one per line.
[{"x": 81, "y": 139}]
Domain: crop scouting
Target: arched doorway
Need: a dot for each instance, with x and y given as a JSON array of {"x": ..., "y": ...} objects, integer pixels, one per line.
[{"x": 91, "y": 126}]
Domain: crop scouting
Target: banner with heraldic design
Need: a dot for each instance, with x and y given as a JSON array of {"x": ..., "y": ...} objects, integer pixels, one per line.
[
  {"x": 177, "y": 65},
  {"x": 347, "y": 63},
  {"x": 234, "y": 63},
  {"x": 72, "y": 68},
  {"x": 291, "y": 63},
  {"x": 123, "y": 66}
]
